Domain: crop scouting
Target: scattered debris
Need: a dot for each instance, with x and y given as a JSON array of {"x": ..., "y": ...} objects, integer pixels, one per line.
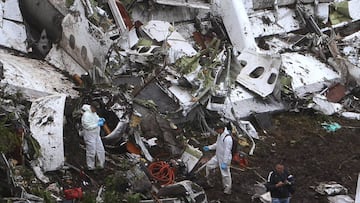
[
  {"x": 331, "y": 127},
  {"x": 340, "y": 199},
  {"x": 331, "y": 189},
  {"x": 164, "y": 72}
]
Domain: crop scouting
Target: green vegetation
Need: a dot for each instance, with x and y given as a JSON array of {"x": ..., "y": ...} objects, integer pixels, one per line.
[
  {"x": 69, "y": 3},
  {"x": 8, "y": 139},
  {"x": 41, "y": 192},
  {"x": 88, "y": 198}
]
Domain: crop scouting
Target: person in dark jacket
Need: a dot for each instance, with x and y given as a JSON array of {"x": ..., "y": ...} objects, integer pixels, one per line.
[{"x": 280, "y": 184}]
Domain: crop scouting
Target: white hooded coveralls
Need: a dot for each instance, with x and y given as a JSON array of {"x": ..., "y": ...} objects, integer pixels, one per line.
[
  {"x": 91, "y": 131},
  {"x": 223, "y": 148}
]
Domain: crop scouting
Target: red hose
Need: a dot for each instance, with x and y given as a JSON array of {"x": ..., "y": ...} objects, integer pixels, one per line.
[{"x": 162, "y": 172}]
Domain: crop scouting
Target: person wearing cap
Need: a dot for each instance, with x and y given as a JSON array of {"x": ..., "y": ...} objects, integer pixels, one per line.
[
  {"x": 222, "y": 158},
  {"x": 91, "y": 124}
]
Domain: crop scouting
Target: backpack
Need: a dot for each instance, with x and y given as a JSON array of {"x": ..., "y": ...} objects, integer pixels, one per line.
[
  {"x": 234, "y": 148},
  {"x": 238, "y": 157}
]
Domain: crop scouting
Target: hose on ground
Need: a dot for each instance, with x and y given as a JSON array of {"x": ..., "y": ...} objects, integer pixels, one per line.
[{"x": 162, "y": 172}]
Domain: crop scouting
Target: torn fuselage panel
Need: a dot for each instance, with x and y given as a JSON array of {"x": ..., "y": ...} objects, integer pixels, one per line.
[
  {"x": 201, "y": 4},
  {"x": 191, "y": 157},
  {"x": 12, "y": 28},
  {"x": 184, "y": 188},
  {"x": 237, "y": 23},
  {"x": 308, "y": 74},
  {"x": 242, "y": 103},
  {"x": 46, "y": 118},
  {"x": 260, "y": 71},
  {"x": 162, "y": 31},
  {"x": 262, "y": 4},
  {"x": 33, "y": 78},
  {"x": 81, "y": 39}
]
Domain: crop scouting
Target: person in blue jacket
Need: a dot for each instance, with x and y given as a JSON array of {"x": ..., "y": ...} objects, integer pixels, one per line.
[{"x": 91, "y": 124}]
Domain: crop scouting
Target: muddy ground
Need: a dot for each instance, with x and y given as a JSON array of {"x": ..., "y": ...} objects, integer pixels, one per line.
[
  {"x": 298, "y": 140},
  {"x": 307, "y": 150}
]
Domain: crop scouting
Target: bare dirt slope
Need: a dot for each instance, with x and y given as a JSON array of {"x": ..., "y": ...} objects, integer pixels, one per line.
[{"x": 310, "y": 153}]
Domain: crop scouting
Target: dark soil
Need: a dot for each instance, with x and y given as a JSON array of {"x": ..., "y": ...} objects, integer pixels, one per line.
[
  {"x": 298, "y": 140},
  {"x": 307, "y": 150}
]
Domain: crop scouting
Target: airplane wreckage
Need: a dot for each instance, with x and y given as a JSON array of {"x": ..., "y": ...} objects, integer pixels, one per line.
[{"x": 160, "y": 69}]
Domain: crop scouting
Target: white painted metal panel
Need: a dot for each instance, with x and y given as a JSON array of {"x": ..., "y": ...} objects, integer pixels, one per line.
[
  {"x": 308, "y": 74},
  {"x": 117, "y": 16},
  {"x": 191, "y": 157},
  {"x": 12, "y": 30},
  {"x": 261, "y": 4},
  {"x": 321, "y": 104},
  {"x": 237, "y": 23},
  {"x": 260, "y": 71},
  {"x": 1, "y": 12},
  {"x": 46, "y": 118},
  {"x": 62, "y": 60},
  {"x": 178, "y": 45},
  {"x": 183, "y": 97},
  {"x": 187, "y": 3},
  {"x": 33, "y": 78},
  {"x": 85, "y": 42},
  {"x": 354, "y": 7},
  {"x": 158, "y": 30},
  {"x": 13, "y": 35},
  {"x": 245, "y": 103},
  {"x": 271, "y": 22},
  {"x": 12, "y": 11}
]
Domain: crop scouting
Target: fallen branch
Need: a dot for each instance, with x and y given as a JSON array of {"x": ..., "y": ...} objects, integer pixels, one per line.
[
  {"x": 237, "y": 168},
  {"x": 258, "y": 174},
  {"x": 356, "y": 156}
]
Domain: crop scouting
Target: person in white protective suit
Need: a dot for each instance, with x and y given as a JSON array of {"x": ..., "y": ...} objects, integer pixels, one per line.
[
  {"x": 222, "y": 158},
  {"x": 91, "y": 124}
]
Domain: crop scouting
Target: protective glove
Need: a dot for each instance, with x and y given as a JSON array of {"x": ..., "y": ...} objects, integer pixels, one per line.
[
  {"x": 100, "y": 122},
  {"x": 102, "y": 119},
  {"x": 223, "y": 166},
  {"x": 206, "y": 148}
]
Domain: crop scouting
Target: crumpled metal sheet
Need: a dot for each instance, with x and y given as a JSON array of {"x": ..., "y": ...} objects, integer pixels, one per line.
[
  {"x": 12, "y": 30},
  {"x": 271, "y": 22},
  {"x": 33, "y": 78},
  {"x": 85, "y": 42},
  {"x": 240, "y": 98},
  {"x": 162, "y": 31},
  {"x": 308, "y": 74},
  {"x": 63, "y": 61},
  {"x": 186, "y": 3},
  {"x": 340, "y": 199},
  {"x": 185, "y": 188},
  {"x": 237, "y": 23},
  {"x": 330, "y": 188},
  {"x": 326, "y": 107},
  {"x": 46, "y": 118}
]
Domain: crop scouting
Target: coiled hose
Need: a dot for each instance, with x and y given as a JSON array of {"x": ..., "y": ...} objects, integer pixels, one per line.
[{"x": 162, "y": 172}]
